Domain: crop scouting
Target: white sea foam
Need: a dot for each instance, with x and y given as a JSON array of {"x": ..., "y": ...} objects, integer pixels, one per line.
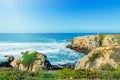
[{"x": 55, "y": 51}]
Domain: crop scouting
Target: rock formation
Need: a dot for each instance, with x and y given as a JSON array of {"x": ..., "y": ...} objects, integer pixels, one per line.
[
  {"x": 99, "y": 58},
  {"x": 111, "y": 40},
  {"x": 103, "y": 51},
  {"x": 85, "y": 44},
  {"x": 32, "y": 61},
  {"x": 9, "y": 59}
]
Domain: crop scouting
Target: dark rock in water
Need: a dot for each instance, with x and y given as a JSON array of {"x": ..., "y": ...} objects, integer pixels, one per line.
[
  {"x": 5, "y": 64},
  {"x": 62, "y": 66},
  {"x": 69, "y": 46},
  {"x": 9, "y": 59},
  {"x": 22, "y": 53},
  {"x": 56, "y": 67},
  {"x": 68, "y": 40}
]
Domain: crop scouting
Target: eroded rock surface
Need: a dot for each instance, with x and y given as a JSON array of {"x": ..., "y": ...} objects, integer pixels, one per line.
[
  {"x": 111, "y": 40},
  {"x": 33, "y": 64},
  {"x": 100, "y": 58},
  {"x": 101, "y": 51},
  {"x": 85, "y": 44}
]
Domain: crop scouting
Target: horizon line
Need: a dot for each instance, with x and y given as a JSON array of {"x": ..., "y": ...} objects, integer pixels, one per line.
[{"x": 55, "y": 32}]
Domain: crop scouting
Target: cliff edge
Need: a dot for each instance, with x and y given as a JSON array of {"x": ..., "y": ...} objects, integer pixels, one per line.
[{"x": 102, "y": 51}]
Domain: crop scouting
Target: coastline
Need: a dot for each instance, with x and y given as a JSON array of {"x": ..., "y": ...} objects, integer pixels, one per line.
[{"x": 77, "y": 71}]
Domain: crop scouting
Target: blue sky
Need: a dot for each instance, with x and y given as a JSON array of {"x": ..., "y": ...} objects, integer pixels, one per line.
[{"x": 41, "y": 16}]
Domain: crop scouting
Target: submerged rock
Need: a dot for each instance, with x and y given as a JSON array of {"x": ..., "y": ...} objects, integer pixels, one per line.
[
  {"x": 100, "y": 58},
  {"x": 32, "y": 61}
]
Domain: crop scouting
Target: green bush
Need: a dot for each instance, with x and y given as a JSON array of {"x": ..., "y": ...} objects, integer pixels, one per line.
[
  {"x": 29, "y": 58},
  {"x": 67, "y": 73},
  {"x": 108, "y": 67},
  {"x": 102, "y": 36},
  {"x": 94, "y": 56}
]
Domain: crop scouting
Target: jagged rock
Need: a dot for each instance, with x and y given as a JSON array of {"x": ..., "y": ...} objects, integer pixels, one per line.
[
  {"x": 9, "y": 58},
  {"x": 103, "y": 50},
  {"x": 100, "y": 58},
  {"x": 85, "y": 44},
  {"x": 39, "y": 63}
]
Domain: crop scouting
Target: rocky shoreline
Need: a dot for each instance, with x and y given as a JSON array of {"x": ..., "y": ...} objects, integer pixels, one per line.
[
  {"x": 101, "y": 50},
  {"x": 42, "y": 64}
]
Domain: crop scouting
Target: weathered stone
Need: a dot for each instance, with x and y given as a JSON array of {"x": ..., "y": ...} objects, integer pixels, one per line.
[
  {"x": 99, "y": 57},
  {"x": 111, "y": 40},
  {"x": 40, "y": 63},
  {"x": 85, "y": 44},
  {"x": 9, "y": 58},
  {"x": 6, "y": 63}
]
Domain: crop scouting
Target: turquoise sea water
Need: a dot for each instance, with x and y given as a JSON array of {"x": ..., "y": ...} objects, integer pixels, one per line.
[{"x": 51, "y": 44}]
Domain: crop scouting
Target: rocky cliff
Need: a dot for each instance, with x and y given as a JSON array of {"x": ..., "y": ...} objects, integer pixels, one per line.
[
  {"x": 111, "y": 40},
  {"x": 100, "y": 58},
  {"x": 85, "y": 44},
  {"x": 103, "y": 51}
]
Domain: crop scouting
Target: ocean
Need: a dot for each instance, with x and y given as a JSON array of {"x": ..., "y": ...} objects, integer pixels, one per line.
[{"x": 50, "y": 44}]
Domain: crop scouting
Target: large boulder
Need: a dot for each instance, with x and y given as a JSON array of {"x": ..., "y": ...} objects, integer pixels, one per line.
[
  {"x": 85, "y": 44},
  {"x": 32, "y": 61},
  {"x": 100, "y": 58}
]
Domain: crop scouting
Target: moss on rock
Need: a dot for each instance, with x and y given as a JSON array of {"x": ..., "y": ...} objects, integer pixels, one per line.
[{"x": 29, "y": 58}]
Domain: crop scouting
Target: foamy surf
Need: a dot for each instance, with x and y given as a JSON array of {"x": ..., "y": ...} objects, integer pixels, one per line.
[
  {"x": 55, "y": 52},
  {"x": 51, "y": 44}
]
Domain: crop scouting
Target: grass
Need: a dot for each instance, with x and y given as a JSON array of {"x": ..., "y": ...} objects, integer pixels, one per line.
[
  {"x": 108, "y": 67},
  {"x": 14, "y": 74},
  {"x": 28, "y": 59},
  {"x": 102, "y": 36},
  {"x": 64, "y": 74}
]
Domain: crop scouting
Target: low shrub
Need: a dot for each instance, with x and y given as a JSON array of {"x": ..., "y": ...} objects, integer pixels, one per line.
[
  {"x": 64, "y": 74},
  {"x": 94, "y": 56},
  {"x": 29, "y": 58},
  {"x": 102, "y": 36}
]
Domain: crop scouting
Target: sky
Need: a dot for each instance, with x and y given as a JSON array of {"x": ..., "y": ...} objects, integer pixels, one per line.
[{"x": 62, "y": 16}]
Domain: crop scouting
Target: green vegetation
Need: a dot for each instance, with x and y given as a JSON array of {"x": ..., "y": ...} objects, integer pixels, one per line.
[
  {"x": 94, "y": 56},
  {"x": 108, "y": 67},
  {"x": 118, "y": 38},
  {"x": 15, "y": 74},
  {"x": 67, "y": 74},
  {"x": 102, "y": 36},
  {"x": 113, "y": 39},
  {"x": 29, "y": 58}
]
